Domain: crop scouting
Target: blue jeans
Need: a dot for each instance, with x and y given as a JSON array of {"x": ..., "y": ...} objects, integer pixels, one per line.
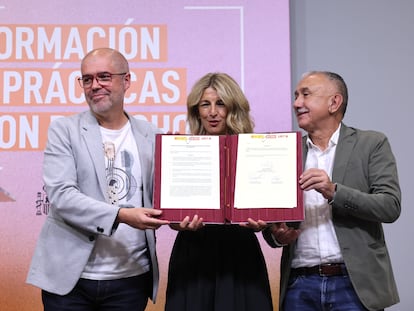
[
  {"x": 129, "y": 294},
  {"x": 321, "y": 293}
]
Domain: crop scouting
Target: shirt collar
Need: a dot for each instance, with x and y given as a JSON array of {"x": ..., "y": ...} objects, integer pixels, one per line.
[{"x": 333, "y": 141}]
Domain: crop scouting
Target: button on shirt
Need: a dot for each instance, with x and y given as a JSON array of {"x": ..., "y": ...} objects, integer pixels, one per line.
[{"x": 317, "y": 243}]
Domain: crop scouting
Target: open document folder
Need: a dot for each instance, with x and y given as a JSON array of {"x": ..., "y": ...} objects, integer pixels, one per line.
[{"x": 229, "y": 178}]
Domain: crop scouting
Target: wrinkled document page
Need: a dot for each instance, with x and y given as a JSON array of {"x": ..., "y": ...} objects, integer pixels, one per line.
[
  {"x": 266, "y": 174},
  {"x": 190, "y": 172}
]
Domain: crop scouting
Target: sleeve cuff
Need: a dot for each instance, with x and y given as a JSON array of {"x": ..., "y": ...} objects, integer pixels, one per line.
[{"x": 330, "y": 202}]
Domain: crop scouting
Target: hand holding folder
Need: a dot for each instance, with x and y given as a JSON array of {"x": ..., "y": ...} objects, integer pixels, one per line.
[{"x": 229, "y": 178}]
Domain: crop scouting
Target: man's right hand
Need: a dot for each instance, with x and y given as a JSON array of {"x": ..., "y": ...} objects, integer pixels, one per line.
[
  {"x": 284, "y": 234},
  {"x": 141, "y": 217}
]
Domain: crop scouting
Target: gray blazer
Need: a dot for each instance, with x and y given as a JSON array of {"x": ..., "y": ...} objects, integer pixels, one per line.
[
  {"x": 368, "y": 194},
  {"x": 75, "y": 180}
]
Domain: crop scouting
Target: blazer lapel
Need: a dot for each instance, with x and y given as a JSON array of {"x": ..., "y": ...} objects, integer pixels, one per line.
[
  {"x": 346, "y": 143},
  {"x": 344, "y": 149},
  {"x": 144, "y": 152},
  {"x": 93, "y": 140}
]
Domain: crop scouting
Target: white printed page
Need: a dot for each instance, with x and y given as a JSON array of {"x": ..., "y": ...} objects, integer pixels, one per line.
[
  {"x": 190, "y": 172},
  {"x": 266, "y": 171}
]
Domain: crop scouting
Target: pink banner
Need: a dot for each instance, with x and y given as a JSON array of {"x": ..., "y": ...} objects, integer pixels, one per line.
[{"x": 169, "y": 44}]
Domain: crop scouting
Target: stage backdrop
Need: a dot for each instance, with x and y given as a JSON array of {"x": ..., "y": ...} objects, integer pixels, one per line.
[{"x": 169, "y": 45}]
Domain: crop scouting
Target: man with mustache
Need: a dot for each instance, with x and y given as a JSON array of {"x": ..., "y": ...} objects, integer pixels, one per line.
[{"x": 337, "y": 258}]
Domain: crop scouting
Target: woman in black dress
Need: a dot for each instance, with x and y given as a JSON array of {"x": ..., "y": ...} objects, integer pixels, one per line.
[{"x": 217, "y": 267}]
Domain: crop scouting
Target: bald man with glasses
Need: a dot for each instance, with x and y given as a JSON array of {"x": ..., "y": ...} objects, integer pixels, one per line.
[{"x": 96, "y": 250}]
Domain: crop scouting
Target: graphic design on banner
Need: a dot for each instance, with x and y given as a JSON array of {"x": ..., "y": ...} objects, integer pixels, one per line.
[{"x": 169, "y": 45}]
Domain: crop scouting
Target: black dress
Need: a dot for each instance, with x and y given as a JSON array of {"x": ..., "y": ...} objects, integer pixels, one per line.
[{"x": 220, "y": 268}]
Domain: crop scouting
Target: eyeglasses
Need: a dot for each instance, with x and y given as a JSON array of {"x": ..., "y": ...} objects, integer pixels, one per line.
[{"x": 103, "y": 78}]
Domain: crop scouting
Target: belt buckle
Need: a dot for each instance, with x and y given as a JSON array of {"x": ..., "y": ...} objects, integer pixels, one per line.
[{"x": 320, "y": 271}]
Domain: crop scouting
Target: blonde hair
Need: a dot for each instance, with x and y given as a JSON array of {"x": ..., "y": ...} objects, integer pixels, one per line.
[{"x": 238, "y": 118}]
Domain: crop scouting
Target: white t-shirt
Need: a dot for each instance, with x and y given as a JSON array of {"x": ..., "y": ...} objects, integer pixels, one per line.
[{"x": 124, "y": 254}]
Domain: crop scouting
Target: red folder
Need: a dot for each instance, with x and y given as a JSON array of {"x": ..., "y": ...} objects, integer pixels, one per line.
[{"x": 227, "y": 212}]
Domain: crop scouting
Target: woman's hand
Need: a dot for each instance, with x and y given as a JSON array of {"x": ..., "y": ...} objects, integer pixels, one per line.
[
  {"x": 257, "y": 226},
  {"x": 193, "y": 225}
]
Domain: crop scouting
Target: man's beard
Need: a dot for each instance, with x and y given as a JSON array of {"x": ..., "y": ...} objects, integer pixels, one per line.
[{"x": 100, "y": 106}]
